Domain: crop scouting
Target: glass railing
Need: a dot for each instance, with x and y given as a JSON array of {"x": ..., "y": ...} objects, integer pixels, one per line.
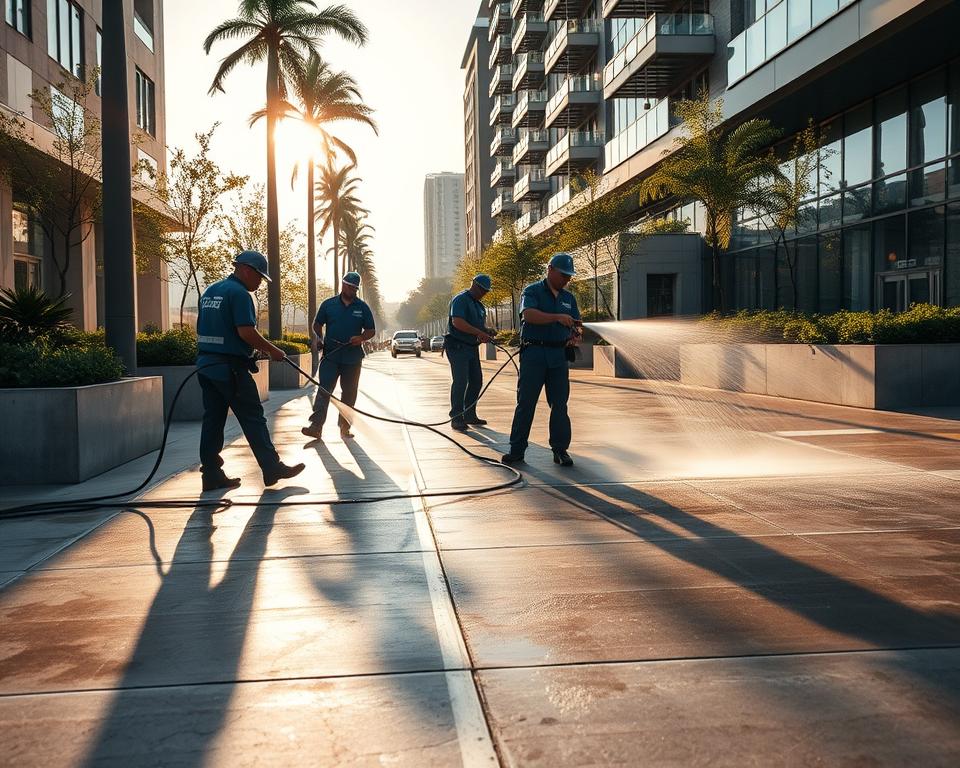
[
  {"x": 658, "y": 24},
  {"x": 523, "y": 183},
  {"x": 504, "y": 102},
  {"x": 647, "y": 128},
  {"x": 500, "y": 12},
  {"x": 500, "y": 43},
  {"x": 520, "y": 28},
  {"x": 527, "y": 220},
  {"x": 501, "y": 169},
  {"x": 571, "y": 85},
  {"x": 501, "y": 73},
  {"x": 571, "y": 27},
  {"x": 526, "y": 98},
  {"x": 516, "y": 6},
  {"x": 527, "y": 138},
  {"x": 573, "y": 139},
  {"x": 784, "y": 23},
  {"x": 500, "y": 201},
  {"x": 559, "y": 200},
  {"x": 502, "y": 136}
]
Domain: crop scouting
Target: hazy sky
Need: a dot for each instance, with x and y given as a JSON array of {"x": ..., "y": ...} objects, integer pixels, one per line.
[{"x": 409, "y": 72}]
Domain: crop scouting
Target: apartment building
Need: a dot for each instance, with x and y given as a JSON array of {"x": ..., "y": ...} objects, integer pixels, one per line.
[
  {"x": 591, "y": 84},
  {"x": 478, "y": 164},
  {"x": 443, "y": 223},
  {"x": 45, "y": 44}
]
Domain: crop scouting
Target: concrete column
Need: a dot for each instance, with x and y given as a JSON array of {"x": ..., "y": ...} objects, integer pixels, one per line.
[{"x": 6, "y": 235}]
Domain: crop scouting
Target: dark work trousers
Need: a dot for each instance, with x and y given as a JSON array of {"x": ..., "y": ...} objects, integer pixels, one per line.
[
  {"x": 536, "y": 372},
  {"x": 239, "y": 395},
  {"x": 467, "y": 379},
  {"x": 328, "y": 374}
]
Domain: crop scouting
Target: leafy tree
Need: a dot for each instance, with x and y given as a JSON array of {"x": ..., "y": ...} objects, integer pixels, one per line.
[
  {"x": 58, "y": 180},
  {"x": 514, "y": 261},
  {"x": 192, "y": 189},
  {"x": 718, "y": 167},
  {"x": 409, "y": 311},
  {"x": 284, "y": 33}
]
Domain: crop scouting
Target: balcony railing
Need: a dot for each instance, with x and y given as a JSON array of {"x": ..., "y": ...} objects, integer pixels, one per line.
[
  {"x": 502, "y": 200},
  {"x": 658, "y": 24},
  {"x": 527, "y": 220},
  {"x": 528, "y": 32},
  {"x": 646, "y": 129},
  {"x": 559, "y": 200},
  {"x": 525, "y": 140},
  {"x": 501, "y": 15},
  {"x": 572, "y": 140},
  {"x": 501, "y": 79},
  {"x": 534, "y": 176},
  {"x": 502, "y": 169},
  {"x": 571, "y": 85},
  {"x": 502, "y": 138},
  {"x": 500, "y": 52},
  {"x": 502, "y": 106},
  {"x": 571, "y": 27},
  {"x": 782, "y": 24}
]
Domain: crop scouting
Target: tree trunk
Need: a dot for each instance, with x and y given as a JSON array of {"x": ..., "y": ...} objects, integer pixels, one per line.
[
  {"x": 273, "y": 217},
  {"x": 311, "y": 269},
  {"x": 513, "y": 311},
  {"x": 336, "y": 256},
  {"x": 183, "y": 300}
]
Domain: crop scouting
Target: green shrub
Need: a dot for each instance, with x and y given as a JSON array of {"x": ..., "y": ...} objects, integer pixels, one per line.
[
  {"x": 296, "y": 338},
  {"x": 507, "y": 338},
  {"x": 292, "y": 347},
  {"x": 44, "y": 365},
  {"x": 28, "y": 313},
  {"x": 174, "y": 347}
]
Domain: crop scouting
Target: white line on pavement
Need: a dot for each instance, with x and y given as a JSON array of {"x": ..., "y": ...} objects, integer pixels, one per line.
[{"x": 827, "y": 432}]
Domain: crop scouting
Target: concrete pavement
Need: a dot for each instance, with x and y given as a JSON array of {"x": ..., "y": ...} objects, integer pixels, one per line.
[{"x": 720, "y": 580}]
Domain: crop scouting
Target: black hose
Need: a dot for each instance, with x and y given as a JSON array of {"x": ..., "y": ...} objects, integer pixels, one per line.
[{"x": 122, "y": 501}]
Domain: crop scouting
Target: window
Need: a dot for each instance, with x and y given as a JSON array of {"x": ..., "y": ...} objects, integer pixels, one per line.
[
  {"x": 146, "y": 119},
  {"x": 65, "y": 35},
  {"x": 891, "y": 132},
  {"x": 857, "y": 146},
  {"x": 18, "y": 15},
  {"x": 857, "y": 272},
  {"x": 27, "y": 248},
  {"x": 928, "y": 119},
  {"x": 143, "y": 21},
  {"x": 98, "y": 84}
]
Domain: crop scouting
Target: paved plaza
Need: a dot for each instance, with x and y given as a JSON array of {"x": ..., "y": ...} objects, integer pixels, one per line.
[{"x": 721, "y": 580}]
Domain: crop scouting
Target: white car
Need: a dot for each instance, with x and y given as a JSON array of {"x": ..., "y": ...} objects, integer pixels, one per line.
[
  {"x": 405, "y": 342},
  {"x": 436, "y": 343}
]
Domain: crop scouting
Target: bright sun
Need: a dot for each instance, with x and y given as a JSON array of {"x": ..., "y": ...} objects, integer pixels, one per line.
[{"x": 294, "y": 142}]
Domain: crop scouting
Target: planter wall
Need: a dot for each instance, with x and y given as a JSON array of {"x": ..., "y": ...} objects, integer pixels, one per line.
[
  {"x": 889, "y": 376},
  {"x": 584, "y": 357},
  {"x": 607, "y": 361},
  {"x": 190, "y": 404},
  {"x": 70, "y": 434},
  {"x": 285, "y": 376},
  {"x": 489, "y": 351}
]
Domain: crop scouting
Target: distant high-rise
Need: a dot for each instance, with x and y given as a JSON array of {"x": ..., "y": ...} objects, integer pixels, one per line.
[
  {"x": 478, "y": 133},
  {"x": 442, "y": 223}
]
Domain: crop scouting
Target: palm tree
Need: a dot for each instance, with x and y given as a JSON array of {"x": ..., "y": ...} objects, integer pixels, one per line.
[
  {"x": 363, "y": 263},
  {"x": 283, "y": 32},
  {"x": 336, "y": 190},
  {"x": 720, "y": 169},
  {"x": 355, "y": 235}
]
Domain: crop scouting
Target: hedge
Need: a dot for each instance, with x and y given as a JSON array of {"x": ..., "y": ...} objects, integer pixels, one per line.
[
  {"x": 296, "y": 338},
  {"x": 42, "y": 364},
  {"x": 921, "y": 324},
  {"x": 174, "y": 347},
  {"x": 291, "y": 347}
]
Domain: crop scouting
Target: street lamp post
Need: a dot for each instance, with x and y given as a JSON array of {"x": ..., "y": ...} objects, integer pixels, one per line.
[{"x": 119, "y": 280}]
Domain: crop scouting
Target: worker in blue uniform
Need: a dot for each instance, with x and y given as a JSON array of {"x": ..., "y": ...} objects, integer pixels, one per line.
[
  {"x": 466, "y": 331},
  {"x": 550, "y": 328},
  {"x": 227, "y": 337},
  {"x": 349, "y": 323}
]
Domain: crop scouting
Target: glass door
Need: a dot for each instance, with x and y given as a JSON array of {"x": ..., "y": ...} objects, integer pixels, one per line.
[{"x": 898, "y": 291}]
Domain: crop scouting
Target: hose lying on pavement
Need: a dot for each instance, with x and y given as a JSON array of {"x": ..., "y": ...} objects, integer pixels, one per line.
[{"x": 123, "y": 500}]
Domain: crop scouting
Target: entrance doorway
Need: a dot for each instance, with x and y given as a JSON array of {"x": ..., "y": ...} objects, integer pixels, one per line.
[
  {"x": 660, "y": 299},
  {"x": 898, "y": 290}
]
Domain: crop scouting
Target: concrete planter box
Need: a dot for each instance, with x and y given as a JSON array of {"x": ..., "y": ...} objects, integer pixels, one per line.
[
  {"x": 285, "y": 376},
  {"x": 584, "y": 357},
  {"x": 190, "y": 404},
  {"x": 70, "y": 434},
  {"x": 885, "y": 377},
  {"x": 489, "y": 351},
  {"x": 501, "y": 355},
  {"x": 608, "y": 362}
]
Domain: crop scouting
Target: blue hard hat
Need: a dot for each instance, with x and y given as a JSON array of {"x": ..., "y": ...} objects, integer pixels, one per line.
[
  {"x": 254, "y": 259},
  {"x": 352, "y": 278},
  {"x": 563, "y": 262},
  {"x": 483, "y": 281}
]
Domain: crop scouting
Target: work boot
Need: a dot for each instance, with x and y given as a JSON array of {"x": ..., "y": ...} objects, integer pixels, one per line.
[
  {"x": 281, "y": 471},
  {"x": 477, "y": 421},
  {"x": 561, "y": 457},
  {"x": 458, "y": 424},
  {"x": 346, "y": 434},
  {"x": 314, "y": 430},
  {"x": 512, "y": 458},
  {"x": 214, "y": 481}
]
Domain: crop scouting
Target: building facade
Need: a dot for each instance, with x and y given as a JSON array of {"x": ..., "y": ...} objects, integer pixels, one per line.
[
  {"x": 592, "y": 84},
  {"x": 46, "y": 46},
  {"x": 443, "y": 223},
  {"x": 477, "y": 134}
]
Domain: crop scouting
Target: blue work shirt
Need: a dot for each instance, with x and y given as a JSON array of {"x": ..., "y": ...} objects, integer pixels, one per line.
[
  {"x": 223, "y": 306},
  {"x": 342, "y": 321},
  {"x": 539, "y": 296},
  {"x": 464, "y": 306}
]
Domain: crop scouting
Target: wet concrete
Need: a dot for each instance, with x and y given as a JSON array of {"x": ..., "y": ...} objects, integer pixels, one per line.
[{"x": 721, "y": 579}]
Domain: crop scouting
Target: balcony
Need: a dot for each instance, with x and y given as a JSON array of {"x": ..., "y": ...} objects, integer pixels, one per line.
[
  {"x": 528, "y": 220},
  {"x": 501, "y": 80},
  {"x": 559, "y": 200},
  {"x": 558, "y": 10},
  {"x": 503, "y": 174},
  {"x": 576, "y": 150},
  {"x": 531, "y": 147},
  {"x": 575, "y": 100},
  {"x": 663, "y": 53},
  {"x": 503, "y": 204},
  {"x": 500, "y": 21},
  {"x": 634, "y": 9},
  {"x": 647, "y": 128},
  {"x": 533, "y": 185},
  {"x": 503, "y": 141},
  {"x": 502, "y": 110},
  {"x": 529, "y": 33},
  {"x": 529, "y": 71},
  {"x": 500, "y": 52},
  {"x": 522, "y": 6},
  {"x": 530, "y": 109},
  {"x": 575, "y": 42}
]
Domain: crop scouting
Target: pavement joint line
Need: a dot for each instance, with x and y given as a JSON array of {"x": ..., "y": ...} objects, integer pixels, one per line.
[
  {"x": 825, "y": 432},
  {"x": 491, "y": 668},
  {"x": 474, "y": 733}
]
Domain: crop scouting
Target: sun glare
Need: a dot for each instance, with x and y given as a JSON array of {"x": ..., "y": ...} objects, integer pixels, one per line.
[{"x": 295, "y": 142}]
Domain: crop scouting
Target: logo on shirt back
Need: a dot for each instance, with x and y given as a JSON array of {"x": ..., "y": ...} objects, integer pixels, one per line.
[{"x": 211, "y": 302}]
